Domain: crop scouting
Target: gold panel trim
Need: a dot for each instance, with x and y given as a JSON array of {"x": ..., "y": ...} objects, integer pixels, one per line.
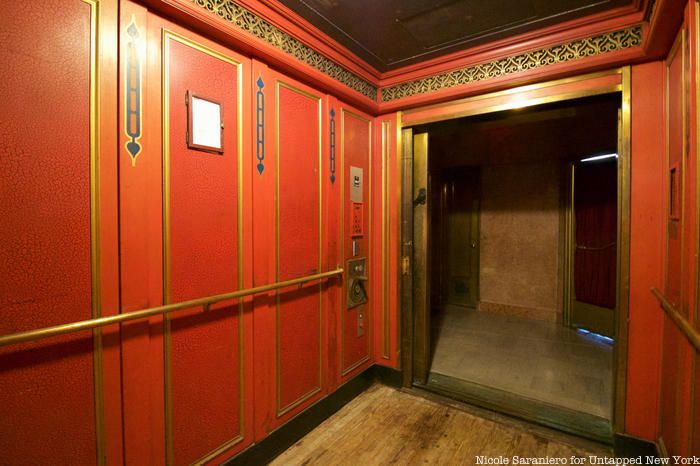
[
  {"x": 574, "y": 50},
  {"x": 169, "y": 36},
  {"x": 96, "y": 301},
  {"x": 520, "y": 104},
  {"x": 355, "y": 365},
  {"x": 386, "y": 221},
  {"x": 398, "y": 246},
  {"x": 281, "y": 410},
  {"x": 249, "y": 22}
]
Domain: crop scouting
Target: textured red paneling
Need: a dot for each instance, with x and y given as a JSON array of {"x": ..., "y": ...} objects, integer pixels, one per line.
[
  {"x": 646, "y": 251},
  {"x": 298, "y": 175},
  {"x": 203, "y": 252},
  {"x": 675, "y": 389},
  {"x": 141, "y": 263},
  {"x": 384, "y": 329},
  {"x": 676, "y": 362},
  {"x": 46, "y": 389},
  {"x": 356, "y": 147},
  {"x": 676, "y": 142},
  {"x": 299, "y": 312}
]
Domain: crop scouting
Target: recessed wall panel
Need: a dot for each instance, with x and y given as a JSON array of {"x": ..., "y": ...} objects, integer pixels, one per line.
[
  {"x": 356, "y": 147},
  {"x": 202, "y": 257},
  {"x": 47, "y": 388},
  {"x": 298, "y": 126}
]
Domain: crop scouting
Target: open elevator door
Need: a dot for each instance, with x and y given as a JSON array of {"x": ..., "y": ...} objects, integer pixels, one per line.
[
  {"x": 415, "y": 248},
  {"x": 594, "y": 241}
]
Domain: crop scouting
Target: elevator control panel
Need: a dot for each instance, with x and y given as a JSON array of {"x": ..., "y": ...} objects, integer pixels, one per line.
[
  {"x": 356, "y": 276},
  {"x": 358, "y": 214}
]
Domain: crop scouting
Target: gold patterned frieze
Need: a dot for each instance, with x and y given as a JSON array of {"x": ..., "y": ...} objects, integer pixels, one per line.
[
  {"x": 588, "y": 47},
  {"x": 262, "y": 29},
  {"x": 248, "y": 21}
]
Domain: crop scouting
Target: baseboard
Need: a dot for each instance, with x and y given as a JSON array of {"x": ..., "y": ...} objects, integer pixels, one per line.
[
  {"x": 388, "y": 376},
  {"x": 287, "y": 435},
  {"x": 627, "y": 446}
]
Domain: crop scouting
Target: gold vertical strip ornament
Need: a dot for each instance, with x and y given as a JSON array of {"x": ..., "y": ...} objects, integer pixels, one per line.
[
  {"x": 320, "y": 242},
  {"x": 386, "y": 335},
  {"x": 167, "y": 37},
  {"x": 569, "y": 247},
  {"x": 397, "y": 205},
  {"x": 370, "y": 311},
  {"x": 343, "y": 299},
  {"x": 165, "y": 112},
  {"x": 623, "y": 254},
  {"x": 96, "y": 301},
  {"x": 694, "y": 316}
]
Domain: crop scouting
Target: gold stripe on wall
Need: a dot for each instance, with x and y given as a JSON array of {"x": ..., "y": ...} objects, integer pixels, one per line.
[
  {"x": 386, "y": 221},
  {"x": 96, "y": 298}
]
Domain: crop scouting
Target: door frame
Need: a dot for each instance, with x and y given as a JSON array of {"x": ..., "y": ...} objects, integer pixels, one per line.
[
  {"x": 612, "y": 81},
  {"x": 569, "y": 303}
]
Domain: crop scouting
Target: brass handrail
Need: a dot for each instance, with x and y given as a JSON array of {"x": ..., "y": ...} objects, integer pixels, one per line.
[
  {"x": 46, "y": 332},
  {"x": 681, "y": 322}
]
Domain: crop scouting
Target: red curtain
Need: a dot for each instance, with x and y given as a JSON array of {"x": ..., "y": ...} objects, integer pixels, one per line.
[{"x": 595, "y": 207}]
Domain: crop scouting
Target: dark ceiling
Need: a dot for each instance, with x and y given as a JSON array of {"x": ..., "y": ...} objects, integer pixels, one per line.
[{"x": 389, "y": 34}]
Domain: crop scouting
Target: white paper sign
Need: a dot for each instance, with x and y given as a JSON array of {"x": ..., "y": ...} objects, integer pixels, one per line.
[{"x": 206, "y": 123}]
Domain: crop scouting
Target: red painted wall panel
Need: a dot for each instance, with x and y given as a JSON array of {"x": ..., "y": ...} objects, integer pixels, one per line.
[
  {"x": 676, "y": 131},
  {"x": 202, "y": 258},
  {"x": 46, "y": 388},
  {"x": 292, "y": 214},
  {"x": 299, "y": 318},
  {"x": 676, "y": 361},
  {"x": 356, "y": 130},
  {"x": 385, "y": 222},
  {"x": 141, "y": 248},
  {"x": 646, "y": 251}
]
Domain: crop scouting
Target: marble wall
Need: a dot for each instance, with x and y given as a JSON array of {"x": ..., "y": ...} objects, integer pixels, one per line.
[{"x": 521, "y": 240}]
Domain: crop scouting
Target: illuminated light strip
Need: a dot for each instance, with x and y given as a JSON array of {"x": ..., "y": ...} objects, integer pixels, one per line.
[
  {"x": 600, "y": 157},
  {"x": 596, "y": 336}
]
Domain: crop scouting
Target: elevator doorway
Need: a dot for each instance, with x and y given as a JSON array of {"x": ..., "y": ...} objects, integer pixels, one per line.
[
  {"x": 455, "y": 223},
  {"x": 515, "y": 272}
]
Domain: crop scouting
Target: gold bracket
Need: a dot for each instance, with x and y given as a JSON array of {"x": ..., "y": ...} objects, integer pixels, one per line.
[{"x": 405, "y": 264}]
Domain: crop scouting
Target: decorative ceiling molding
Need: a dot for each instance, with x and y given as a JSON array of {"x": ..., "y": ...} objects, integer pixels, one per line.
[
  {"x": 596, "y": 45},
  {"x": 250, "y": 22},
  {"x": 262, "y": 29}
]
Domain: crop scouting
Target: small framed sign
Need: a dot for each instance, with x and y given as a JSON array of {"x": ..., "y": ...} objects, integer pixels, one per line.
[{"x": 205, "y": 124}]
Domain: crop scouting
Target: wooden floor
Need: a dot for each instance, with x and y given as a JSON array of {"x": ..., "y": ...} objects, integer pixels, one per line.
[{"x": 387, "y": 426}]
